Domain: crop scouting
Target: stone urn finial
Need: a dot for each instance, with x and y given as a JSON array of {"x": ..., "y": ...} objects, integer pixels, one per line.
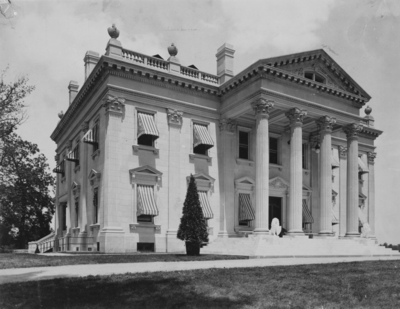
[
  {"x": 113, "y": 32},
  {"x": 172, "y": 50},
  {"x": 60, "y": 114},
  {"x": 368, "y": 110}
]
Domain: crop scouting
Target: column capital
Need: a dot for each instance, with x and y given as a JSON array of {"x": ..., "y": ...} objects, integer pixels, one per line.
[
  {"x": 114, "y": 105},
  {"x": 352, "y": 130},
  {"x": 325, "y": 123},
  {"x": 371, "y": 157},
  {"x": 174, "y": 117},
  {"x": 85, "y": 126},
  {"x": 342, "y": 152},
  {"x": 262, "y": 107},
  {"x": 227, "y": 125},
  {"x": 296, "y": 115}
]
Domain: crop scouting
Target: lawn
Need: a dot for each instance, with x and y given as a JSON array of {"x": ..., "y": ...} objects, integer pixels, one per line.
[
  {"x": 344, "y": 285},
  {"x": 11, "y": 260}
]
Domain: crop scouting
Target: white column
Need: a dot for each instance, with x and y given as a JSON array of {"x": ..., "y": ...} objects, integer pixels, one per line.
[
  {"x": 295, "y": 211},
  {"x": 371, "y": 193},
  {"x": 83, "y": 222},
  {"x": 262, "y": 109},
  {"x": 342, "y": 190},
  {"x": 352, "y": 131},
  {"x": 227, "y": 193},
  {"x": 325, "y": 125},
  {"x": 174, "y": 178}
]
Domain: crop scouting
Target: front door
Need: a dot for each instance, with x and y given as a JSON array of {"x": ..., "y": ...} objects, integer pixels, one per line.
[{"x": 275, "y": 209}]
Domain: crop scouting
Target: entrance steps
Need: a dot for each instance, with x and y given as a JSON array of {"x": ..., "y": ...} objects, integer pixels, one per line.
[{"x": 273, "y": 246}]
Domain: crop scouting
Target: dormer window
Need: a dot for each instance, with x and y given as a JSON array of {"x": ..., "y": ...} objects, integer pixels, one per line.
[{"x": 315, "y": 77}]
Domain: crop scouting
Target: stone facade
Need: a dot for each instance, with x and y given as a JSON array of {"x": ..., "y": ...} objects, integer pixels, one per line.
[{"x": 276, "y": 134}]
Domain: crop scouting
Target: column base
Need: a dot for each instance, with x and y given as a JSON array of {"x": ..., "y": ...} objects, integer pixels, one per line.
[
  {"x": 225, "y": 234},
  {"x": 295, "y": 232},
  {"x": 261, "y": 231},
  {"x": 325, "y": 233},
  {"x": 352, "y": 235}
]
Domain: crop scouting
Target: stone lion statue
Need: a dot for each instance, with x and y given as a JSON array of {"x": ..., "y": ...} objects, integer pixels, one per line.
[{"x": 275, "y": 227}]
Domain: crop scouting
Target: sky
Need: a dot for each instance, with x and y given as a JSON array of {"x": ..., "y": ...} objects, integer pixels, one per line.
[{"x": 47, "y": 41}]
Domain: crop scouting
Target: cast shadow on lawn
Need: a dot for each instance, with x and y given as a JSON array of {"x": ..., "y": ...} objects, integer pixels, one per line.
[{"x": 134, "y": 291}]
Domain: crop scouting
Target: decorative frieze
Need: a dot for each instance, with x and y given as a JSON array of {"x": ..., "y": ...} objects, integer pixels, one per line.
[
  {"x": 326, "y": 123},
  {"x": 296, "y": 115},
  {"x": 227, "y": 125},
  {"x": 342, "y": 152},
  {"x": 262, "y": 107},
  {"x": 174, "y": 116},
  {"x": 114, "y": 105},
  {"x": 371, "y": 157},
  {"x": 352, "y": 130}
]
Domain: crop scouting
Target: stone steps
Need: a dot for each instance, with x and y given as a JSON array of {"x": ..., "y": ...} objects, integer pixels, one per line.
[{"x": 299, "y": 246}]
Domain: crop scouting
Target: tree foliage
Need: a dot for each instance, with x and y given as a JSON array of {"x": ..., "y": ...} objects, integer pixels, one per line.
[
  {"x": 193, "y": 227},
  {"x": 12, "y": 105},
  {"x": 25, "y": 196}
]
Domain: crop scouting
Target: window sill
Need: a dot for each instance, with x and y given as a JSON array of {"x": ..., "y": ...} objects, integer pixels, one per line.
[
  {"x": 134, "y": 226},
  {"x": 277, "y": 166},
  {"x": 244, "y": 162},
  {"x": 94, "y": 226},
  {"x": 136, "y": 148},
  {"x": 96, "y": 154},
  {"x": 77, "y": 168},
  {"x": 193, "y": 156}
]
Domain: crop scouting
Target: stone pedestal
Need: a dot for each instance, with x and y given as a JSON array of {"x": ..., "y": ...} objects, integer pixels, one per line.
[
  {"x": 295, "y": 209},
  {"x": 262, "y": 109},
  {"x": 325, "y": 125},
  {"x": 352, "y": 131}
]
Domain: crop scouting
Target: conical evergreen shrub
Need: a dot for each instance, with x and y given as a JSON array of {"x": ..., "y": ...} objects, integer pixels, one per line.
[{"x": 193, "y": 227}]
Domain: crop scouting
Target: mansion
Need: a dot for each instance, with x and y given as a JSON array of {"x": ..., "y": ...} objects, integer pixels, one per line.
[{"x": 282, "y": 139}]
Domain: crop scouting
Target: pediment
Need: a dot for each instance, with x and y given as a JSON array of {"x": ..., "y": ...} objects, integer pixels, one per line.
[
  {"x": 94, "y": 174},
  {"x": 145, "y": 169},
  {"x": 279, "y": 183},
  {"x": 306, "y": 188},
  {"x": 75, "y": 185},
  {"x": 245, "y": 180},
  {"x": 319, "y": 62},
  {"x": 202, "y": 176}
]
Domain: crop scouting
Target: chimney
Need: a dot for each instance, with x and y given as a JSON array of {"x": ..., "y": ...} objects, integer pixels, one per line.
[
  {"x": 225, "y": 62},
  {"x": 73, "y": 90},
  {"x": 91, "y": 59}
]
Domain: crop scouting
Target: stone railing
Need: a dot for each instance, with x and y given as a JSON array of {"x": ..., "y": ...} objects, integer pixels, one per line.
[
  {"x": 44, "y": 244},
  {"x": 163, "y": 65}
]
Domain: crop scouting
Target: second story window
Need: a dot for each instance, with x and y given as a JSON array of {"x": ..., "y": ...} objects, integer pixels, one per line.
[
  {"x": 92, "y": 136},
  {"x": 73, "y": 155},
  {"x": 147, "y": 129},
  {"x": 202, "y": 140},
  {"x": 243, "y": 145},
  {"x": 273, "y": 150}
]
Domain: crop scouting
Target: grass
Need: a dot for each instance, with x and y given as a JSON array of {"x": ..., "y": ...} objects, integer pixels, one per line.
[
  {"x": 10, "y": 260},
  {"x": 373, "y": 284}
]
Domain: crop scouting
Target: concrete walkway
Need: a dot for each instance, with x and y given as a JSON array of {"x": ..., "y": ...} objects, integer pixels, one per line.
[{"x": 43, "y": 273}]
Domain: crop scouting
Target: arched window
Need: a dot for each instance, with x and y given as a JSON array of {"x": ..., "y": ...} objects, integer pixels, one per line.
[{"x": 315, "y": 77}]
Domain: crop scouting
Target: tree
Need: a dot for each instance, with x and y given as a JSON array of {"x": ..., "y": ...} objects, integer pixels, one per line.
[
  {"x": 193, "y": 227},
  {"x": 25, "y": 196},
  {"x": 12, "y": 105}
]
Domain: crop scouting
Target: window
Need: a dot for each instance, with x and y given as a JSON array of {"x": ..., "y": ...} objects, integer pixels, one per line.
[
  {"x": 202, "y": 140},
  {"x": 304, "y": 149},
  {"x": 243, "y": 145},
  {"x": 64, "y": 215},
  {"x": 73, "y": 155},
  {"x": 147, "y": 129},
  {"x": 146, "y": 204},
  {"x": 246, "y": 212},
  {"x": 76, "y": 213},
  {"x": 315, "y": 77},
  {"x": 273, "y": 150},
  {"x": 96, "y": 205},
  {"x": 205, "y": 206},
  {"x": 60, "y": 168},
  {"x": 92, "y": 137}
]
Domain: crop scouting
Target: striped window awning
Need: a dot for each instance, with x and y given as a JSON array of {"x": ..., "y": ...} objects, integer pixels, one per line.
[
  {"x": 307, "y": 217},
  {"x": 205, "y": 205},
  {"x": 335, "y": 162},
  {"x": 246, "y": 212},
  {"x": 91, "y": 136},
  {"x": 59, "y": 168},
  {"x": 362, "y": 168},
  {"x": 73, "y": 155},
  {"x": 201, "y": 136},
  {"x": 146, "y": 204},
  {"x": 362, "y": 218},
  {"x": 147, "y": 125}
]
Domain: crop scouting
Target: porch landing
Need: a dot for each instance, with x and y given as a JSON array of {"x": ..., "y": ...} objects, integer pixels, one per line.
[{"x": 272, "y": 246}]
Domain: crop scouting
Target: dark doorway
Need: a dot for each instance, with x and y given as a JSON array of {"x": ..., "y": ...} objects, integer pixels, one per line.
[{"x": 275, "y": 209}]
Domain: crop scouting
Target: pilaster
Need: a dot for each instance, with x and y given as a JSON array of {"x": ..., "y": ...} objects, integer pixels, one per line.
[
  {"x": 342, "y": 190},
  {"x": 83, "y": 222},
  {"x": 295, "y": 209},
  {"x": 262, "y": 109},
  {"x": 227, "y": 129},
  {"x": 371, "y": 193},
  {"x": 325, "y": 125},
  {"x": 352, "y": 131}
]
